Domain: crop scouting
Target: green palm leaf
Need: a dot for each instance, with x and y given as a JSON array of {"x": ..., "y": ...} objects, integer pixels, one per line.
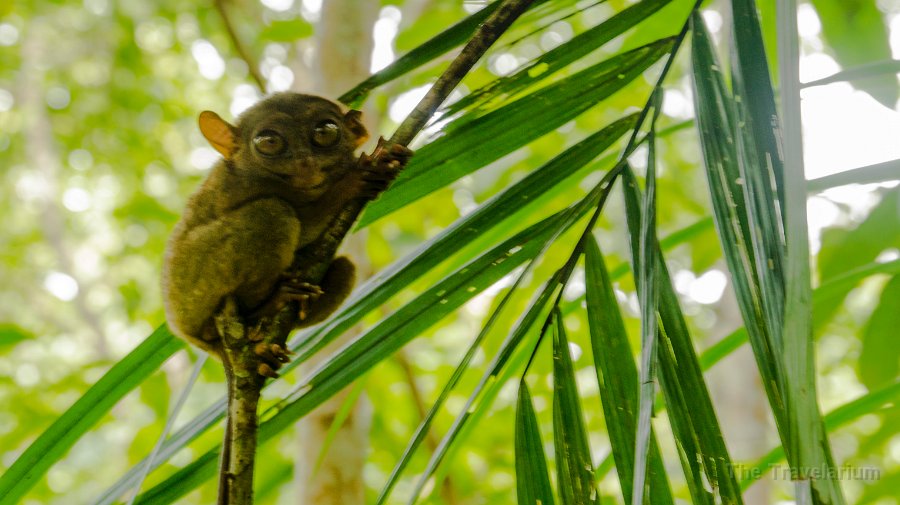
[
  {"x": 510, "y": 127},
  {"x": 532, "y": 480}
]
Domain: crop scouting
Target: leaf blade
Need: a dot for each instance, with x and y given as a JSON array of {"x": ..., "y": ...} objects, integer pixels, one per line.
[
  {"x": 704, "y": 456},
  {"x": 56, "y": 440},
  {"x": 617, "y": 378},
  {"x": 532, "y": 479},
  {"x": 573, "y": 454}
]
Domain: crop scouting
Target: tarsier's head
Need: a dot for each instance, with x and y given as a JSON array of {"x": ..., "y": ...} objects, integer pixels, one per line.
[{"x": 304, "y": 140}]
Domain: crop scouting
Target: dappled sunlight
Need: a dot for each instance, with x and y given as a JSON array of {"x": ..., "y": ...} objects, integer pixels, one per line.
[
  {"x": 209, "y": 62},
  {"x": 62, "y": 286},
  {"x": 404, "y": 103},
  {"x": 845, "y": 128},
  {"x": 706, "y": 289},
  {"x": 278, "y": 5},
  {"x": 383, "y": 34}
]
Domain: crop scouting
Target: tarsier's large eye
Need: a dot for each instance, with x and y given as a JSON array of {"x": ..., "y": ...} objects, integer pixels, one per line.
[
  {"x": 269, "y": 143},
  {"x": 326, "y": 134}
]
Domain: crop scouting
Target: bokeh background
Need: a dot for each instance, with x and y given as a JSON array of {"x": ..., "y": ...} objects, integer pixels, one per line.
[{"x": 99, "y": 150}]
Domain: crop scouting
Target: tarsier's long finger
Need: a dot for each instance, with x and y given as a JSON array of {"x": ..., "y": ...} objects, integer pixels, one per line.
[
  {"x": 273, "y": 353},
  {"x": 290, "y": 284},
  {"x": 304, "y": 307},
  {"x": 282, "y": 354},
  {"x": 400, "y": 151}
]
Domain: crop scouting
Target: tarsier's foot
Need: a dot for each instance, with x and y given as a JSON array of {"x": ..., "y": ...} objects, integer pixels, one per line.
[
  {"x": 271, "y": 356},
  {"x": 382, "y": 167}
]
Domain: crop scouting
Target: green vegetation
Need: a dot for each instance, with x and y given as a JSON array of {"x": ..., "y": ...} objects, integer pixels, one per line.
[{"x": 592, "y": 281}]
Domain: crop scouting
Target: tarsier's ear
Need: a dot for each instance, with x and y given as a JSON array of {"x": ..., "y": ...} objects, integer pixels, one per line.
[
  {"x": 353, "y": 120},
  {"x": 218, "y": 132}
]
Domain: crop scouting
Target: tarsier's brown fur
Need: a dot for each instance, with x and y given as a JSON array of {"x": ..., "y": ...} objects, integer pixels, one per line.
[{"x": 276, "y": 190}]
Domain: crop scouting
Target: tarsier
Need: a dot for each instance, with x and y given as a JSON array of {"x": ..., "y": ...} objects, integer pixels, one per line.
[{"x": 288, "y": 169}]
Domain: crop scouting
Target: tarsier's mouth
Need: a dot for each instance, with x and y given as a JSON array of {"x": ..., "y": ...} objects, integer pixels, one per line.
[{"x": 291, "y": 179}]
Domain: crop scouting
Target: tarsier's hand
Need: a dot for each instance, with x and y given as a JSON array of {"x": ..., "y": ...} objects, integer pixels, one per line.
[{"x": 382, "y": 167}]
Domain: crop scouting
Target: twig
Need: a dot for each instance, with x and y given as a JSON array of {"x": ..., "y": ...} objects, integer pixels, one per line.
[
  {"x": 240, "y": 360},
  {"x": 252, "y": 66},
  {"x": 486, "y": 35}
]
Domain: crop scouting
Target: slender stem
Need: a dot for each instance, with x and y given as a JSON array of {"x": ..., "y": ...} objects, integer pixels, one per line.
[
  {"x": 487, "y": 34},
  {"x": 242, "y": 52},
  {"x": 448, "y": 492},
  {"x": 170, "y": 421},
  {"x": 811, "y": 442},
  {"x": 877, "y": 172}
]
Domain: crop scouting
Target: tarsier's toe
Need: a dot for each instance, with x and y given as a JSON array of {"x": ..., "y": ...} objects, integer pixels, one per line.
[
  {"x": 266, "y": 371},
  {"x": 290, "y": 284},
  {"x": 304, "y": 293},
  {"x": 392, "y": 149},
  {"x": 382, "y": 167},
  {"x": 401, "y": 151},
  {"x": 304, "y": 306},
  {"x": 390, "y": 166},
  {"x": 272, "y": 353},
  {"x": 272, "y": 356}
]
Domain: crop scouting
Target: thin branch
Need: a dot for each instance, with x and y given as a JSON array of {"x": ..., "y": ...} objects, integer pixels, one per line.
[
  {"x": 487, "y": 34},
  {"x": 239, "y": 47}
]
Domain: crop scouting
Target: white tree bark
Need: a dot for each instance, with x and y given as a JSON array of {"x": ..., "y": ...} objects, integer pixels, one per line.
[
  {"x": 740, "y": 401},
  {"x": 343, "y": 54}
]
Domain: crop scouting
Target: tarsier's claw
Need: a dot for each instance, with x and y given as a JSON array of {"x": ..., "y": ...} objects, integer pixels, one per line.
[
  {"x": 282, "y": 354},
  {"x": 382, "y": 167},
  {"x": 273, "y": 353},
  {"x": 266, "y": 371}
]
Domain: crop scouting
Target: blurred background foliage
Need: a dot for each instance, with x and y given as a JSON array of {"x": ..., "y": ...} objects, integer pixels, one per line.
[{"x": 99, "y": 150}]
